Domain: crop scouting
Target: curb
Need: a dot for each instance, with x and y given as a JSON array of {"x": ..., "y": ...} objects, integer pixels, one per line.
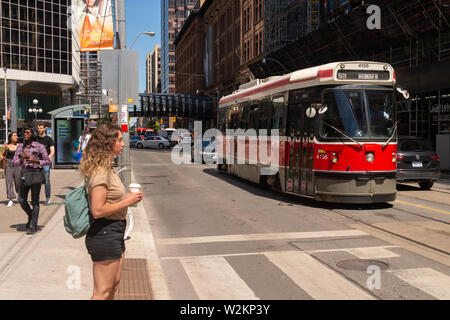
[{"x": 158, "y": 282}]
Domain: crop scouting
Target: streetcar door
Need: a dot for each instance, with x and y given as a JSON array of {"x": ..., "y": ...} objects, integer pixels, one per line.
[
  {"x": 304, "y": 161},
  {"x": 308, "y": 150},
  {"x": 310, "y": 175},
  {"x": 292, "y": 169}
]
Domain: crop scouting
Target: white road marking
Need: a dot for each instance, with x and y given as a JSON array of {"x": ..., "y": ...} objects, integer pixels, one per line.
[
  {"x": 214, "y": 279},
  {"x": 372, "y": 253},
  {"x": 263, "y": 236},
  {"x": 377, "y": 251},
  {"x": 426, "y": 279},
  {"x": 317, "y": 280}
]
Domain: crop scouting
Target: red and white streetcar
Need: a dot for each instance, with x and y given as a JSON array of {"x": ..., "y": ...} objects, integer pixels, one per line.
[{"x": 337, "y": 131}]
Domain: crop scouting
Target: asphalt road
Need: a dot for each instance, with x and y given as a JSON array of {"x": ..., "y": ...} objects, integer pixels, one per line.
[{"x": 219, "y": 237}]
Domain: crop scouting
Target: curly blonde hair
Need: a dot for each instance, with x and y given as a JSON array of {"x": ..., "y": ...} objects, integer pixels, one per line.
[{"x": 98, "y": 154}]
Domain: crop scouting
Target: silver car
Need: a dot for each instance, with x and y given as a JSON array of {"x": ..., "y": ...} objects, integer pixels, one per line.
[{"x": 153, "y": 142}]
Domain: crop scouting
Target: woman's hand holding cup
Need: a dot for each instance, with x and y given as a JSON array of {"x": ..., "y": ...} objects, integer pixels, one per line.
[{"x": 135, "y": 195}]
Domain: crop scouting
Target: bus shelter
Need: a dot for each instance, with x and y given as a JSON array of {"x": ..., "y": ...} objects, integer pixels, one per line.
[{"x": 68, "y": 124}]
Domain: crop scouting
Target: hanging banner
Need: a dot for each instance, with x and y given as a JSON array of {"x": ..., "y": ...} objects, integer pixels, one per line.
[{"x": 95, "y": 23}]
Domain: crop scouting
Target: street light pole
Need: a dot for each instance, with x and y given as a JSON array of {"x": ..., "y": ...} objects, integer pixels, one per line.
[
  {"x": 122, "y": 112},
  {"x": 149, "y": 33},
  {"x": 6, "y": 106},
  {"x": 35, "y": 110}
]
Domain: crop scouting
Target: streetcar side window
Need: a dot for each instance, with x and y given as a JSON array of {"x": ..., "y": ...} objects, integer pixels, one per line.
[
  {"x": 222, "y": 119},
  {"x": 299, "y": 101},
  {"x": 278, "y": 110},
  {"x": 266, "y": 115},
  {"x": 254, "y": 117},
  {"x": 245, "y": 113}
]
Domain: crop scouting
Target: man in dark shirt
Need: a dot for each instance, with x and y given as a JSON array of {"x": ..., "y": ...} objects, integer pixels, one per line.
[
  {"x": 31, "y": 156},
  {"x": 49, "y": 145}
]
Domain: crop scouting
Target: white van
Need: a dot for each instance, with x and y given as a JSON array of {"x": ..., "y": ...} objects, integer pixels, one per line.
[{"x": 167, "y": 133}]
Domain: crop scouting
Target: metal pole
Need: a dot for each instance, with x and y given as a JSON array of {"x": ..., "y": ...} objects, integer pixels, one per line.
[
  {"x": 6, "y": 107},
  {"x": 124, "y": 159}
]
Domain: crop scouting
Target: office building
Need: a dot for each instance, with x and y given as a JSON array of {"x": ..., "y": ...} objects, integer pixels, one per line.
[
  {"x": 153, "y": 70},
  {"x": 39, "y": 52},
  {"x": 173, "y": 15}
]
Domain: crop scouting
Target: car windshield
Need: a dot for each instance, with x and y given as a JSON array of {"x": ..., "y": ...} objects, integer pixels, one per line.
[
  {"x": 357, "y": 113},
  {"x": 415, "y": 145}
]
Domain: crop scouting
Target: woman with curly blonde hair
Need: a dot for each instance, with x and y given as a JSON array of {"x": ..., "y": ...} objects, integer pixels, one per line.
[{"x": 108, "y": 202}]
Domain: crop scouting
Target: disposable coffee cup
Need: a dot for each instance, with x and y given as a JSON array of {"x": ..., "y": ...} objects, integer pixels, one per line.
[{"x": 134, "y": 187}]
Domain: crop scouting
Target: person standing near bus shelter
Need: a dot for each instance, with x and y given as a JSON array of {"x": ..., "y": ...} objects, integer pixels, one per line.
[
  {"x": 49, "y": 145},
  {"x": 32, "y": 157}
]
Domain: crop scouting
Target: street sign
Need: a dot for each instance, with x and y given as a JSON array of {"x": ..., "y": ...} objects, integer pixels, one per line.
[
  {"x": 120, "y": 76},
  {"x": 124, "y": 118}
]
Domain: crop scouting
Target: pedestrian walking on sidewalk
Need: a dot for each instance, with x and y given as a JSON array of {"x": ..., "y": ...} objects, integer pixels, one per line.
[
  {"x": 49, "y": 145},
  {"x": 12, "y": 172},
  {"x": 83, "y": 140},
  {"x": 31, "y": 156},
  {"x": 108, "y": 202}
]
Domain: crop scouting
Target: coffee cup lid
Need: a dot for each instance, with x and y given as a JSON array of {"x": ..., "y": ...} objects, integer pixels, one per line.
[{"x": 134, "y": 185}]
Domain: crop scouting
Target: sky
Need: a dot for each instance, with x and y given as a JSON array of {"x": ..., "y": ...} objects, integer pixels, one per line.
[{"x": 143, "y": 15}]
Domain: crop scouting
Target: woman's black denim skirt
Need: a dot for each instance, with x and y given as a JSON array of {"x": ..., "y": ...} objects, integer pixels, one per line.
[{"x": 104, "y": 240}]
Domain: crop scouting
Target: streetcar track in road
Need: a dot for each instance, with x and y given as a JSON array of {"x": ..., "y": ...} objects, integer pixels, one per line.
[
  {"x": 298, "y": 200},
  {"x": 419, "y": 215},
  {"x": 421, "y": 206},
  {"x": 388, "y": 231}
]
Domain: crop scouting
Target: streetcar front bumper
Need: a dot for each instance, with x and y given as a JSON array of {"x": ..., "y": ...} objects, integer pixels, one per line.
[{"x": 370, "y": 187}]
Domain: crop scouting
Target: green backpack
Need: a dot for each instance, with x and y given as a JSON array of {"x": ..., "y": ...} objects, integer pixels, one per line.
[{"x": 78, "y": 218}]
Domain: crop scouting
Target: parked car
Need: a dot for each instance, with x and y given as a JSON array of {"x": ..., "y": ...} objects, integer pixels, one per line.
[
  {"x": 134, "y": 139},
  {"x": 207, "y": 154},
  {"x": 417, "y": 162},
  {"x": 153, "y": 142}
]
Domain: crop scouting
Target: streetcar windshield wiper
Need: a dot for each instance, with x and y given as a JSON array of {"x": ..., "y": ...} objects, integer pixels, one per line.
[
  {"x": 392, "y": 135},
  {"x": 345, "y": 135}
]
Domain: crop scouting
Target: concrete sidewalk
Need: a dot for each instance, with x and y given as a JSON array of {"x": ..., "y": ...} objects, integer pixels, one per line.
[{"x": 51, "y": 265}]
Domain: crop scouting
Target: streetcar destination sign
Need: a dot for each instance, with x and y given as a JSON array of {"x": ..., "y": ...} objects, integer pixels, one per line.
[{"x": 362, "y": 75}]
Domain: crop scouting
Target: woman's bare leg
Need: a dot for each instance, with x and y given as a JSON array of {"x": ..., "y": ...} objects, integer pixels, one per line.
[{"x": 105, "y": 275}]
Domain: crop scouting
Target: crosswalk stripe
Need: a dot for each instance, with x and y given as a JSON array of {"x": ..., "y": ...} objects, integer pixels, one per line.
[
  {"x": 428, "y": 280},
  {"x": 214, "y": 279},
  {"x": 316, "y": 279},
  {"x": 372, "y": 253},
  {"x": 263, "y": 236}
]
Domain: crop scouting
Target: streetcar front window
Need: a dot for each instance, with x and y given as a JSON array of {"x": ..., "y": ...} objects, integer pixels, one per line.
[
  {"x": 380, "y": 106},
  {"x": 357, "y": 114}
]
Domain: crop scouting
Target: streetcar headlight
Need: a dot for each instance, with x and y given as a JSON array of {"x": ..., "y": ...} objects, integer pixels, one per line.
[
  {"x": 334, "y": 158},
  {"x": 394, "y": 159},
  {"x": 370, "y": 157}
]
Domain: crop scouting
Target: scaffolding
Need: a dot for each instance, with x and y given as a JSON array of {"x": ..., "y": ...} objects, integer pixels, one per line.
[
  {"x": 313, "y": 15},
  {"x": 287, "y": 21},
  {"x": 90, "y": 91},
  {"x": 414, "y": 38}
]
